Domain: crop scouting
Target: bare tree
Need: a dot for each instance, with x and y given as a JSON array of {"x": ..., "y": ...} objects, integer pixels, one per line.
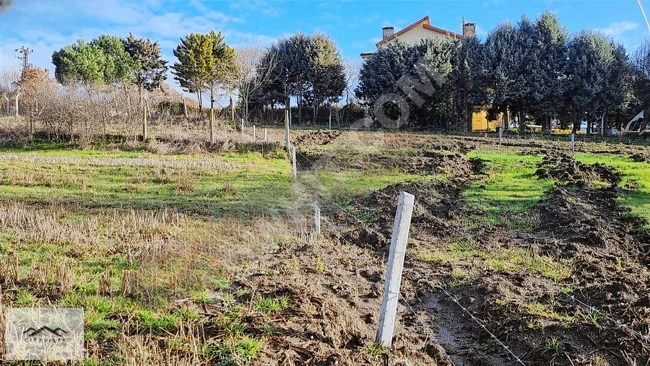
[
  {"x": 248, "y": 78},
  {"x": 352, "y": 68},
  {"x": 9, "y": 79}
]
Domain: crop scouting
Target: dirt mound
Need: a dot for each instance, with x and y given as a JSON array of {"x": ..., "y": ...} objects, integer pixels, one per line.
[
  {"x": 640, "y": 158},
  {"x": 566, "y": 169},
  {"x": 437, "y": 205},
  {"x": 587, "y": 215},
  {"x": 320, "y": 137}
]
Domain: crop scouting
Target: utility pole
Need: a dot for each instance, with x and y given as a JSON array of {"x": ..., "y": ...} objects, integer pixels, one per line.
[{"x": 24, "y": 57}]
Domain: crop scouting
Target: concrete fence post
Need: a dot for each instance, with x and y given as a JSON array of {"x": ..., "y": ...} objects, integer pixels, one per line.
[
  {"x": 317, "y": 219},
  {"x": 211, "y": 127},
  {"x": 242, "y": 127},
  {"x": 573, "y": 143},
  {"x": 7, "y": 99},
  {"x": 396, "y": 256},
  {"x": 145, "y": 127},
  {"x": 294, "y": 164},
  {"x": 266, "y": 135},
  {"x": 254, "y": 133},
  {"x": 330, "y": 119},
  {"x": 286, "y": 130},
  {"x": 500, "y": 135},
  {"x": 17, "y": 96}
]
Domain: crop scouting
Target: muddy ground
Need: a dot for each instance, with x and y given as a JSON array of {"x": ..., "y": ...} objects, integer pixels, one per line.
[{"x": 600, "y": 315}]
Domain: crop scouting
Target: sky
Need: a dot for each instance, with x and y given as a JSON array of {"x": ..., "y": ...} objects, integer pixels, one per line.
[{"x": 48, "y": 25}]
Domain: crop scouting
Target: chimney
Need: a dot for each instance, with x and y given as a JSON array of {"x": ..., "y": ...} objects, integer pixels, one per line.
[
  {"x": 387, "y": 32},
  {"x": 469, "y": 30}
]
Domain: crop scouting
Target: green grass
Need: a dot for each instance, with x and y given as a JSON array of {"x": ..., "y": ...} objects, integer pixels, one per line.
[
  {"x": 241, "y": 184},
  {"x": 510, "y": 190},
  {"x": 546, "y": 311},
  {"x": 272, "y": 305},
  {"x": 343, "y": 186},
  {"x": 637, "y": 175},
  {"x": 500, "y": 260}
]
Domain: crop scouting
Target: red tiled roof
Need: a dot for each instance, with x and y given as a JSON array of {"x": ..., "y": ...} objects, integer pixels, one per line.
[{"x": 426, "y": 24}]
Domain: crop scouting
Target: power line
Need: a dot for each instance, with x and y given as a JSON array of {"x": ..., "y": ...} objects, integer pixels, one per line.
[{"x": 644, "y": 16}]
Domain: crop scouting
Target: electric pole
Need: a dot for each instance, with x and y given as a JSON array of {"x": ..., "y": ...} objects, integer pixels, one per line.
[{"x": 24, "y": 57}]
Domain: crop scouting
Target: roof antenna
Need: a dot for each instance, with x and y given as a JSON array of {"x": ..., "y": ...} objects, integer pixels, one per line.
[{"x": 463, "y": 20}]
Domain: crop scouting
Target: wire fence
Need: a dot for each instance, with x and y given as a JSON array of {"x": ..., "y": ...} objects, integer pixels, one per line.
[{"x": 429, "y": 329}]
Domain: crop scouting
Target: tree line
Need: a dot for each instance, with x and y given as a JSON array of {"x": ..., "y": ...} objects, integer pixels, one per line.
[
  {"x": 308, "y": 68},
  {"x": 530, "y": 71}
]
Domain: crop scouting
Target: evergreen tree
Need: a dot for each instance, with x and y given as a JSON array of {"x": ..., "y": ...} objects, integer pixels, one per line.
[
  {"x": 195, "y": 64},
  {"x": 150, "y": 69}
]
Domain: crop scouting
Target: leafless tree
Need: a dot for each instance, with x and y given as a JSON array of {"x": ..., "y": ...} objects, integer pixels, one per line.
[
  {"x": 352, "y": 69},
  {"x": 247, "y": 77}
]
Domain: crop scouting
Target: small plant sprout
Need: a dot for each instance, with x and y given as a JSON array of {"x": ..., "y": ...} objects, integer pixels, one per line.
[
  {"x": 377, "y": 349},
  {"x": 552, "y": 344},
  {"x": 320, "y": 266}
]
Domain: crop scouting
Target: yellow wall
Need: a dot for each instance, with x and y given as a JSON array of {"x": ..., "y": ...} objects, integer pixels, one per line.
[{"x": 481, "y": 123}]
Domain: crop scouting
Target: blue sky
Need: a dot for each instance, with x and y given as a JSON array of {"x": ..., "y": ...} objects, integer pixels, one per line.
[{"x": 47, "y": 25}]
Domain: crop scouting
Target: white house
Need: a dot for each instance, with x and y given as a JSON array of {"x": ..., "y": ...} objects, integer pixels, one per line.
[{"x": 418, "y": 31}]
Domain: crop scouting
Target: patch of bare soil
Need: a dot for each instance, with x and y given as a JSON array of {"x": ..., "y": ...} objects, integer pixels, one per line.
[
  {"x": 429, "y": 141},
  {"x": 320, "y": 137},
  {"x": 566, "y": 169},
  {"x": 333, "y": 314},
  {"x": 640, "y": 157}
]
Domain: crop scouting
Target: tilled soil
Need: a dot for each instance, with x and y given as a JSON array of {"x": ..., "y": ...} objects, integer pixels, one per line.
[
  {"x": 580, "y": 221},
  {"x": 597, "y": 316},
  {"x": 319, "y": 137}
]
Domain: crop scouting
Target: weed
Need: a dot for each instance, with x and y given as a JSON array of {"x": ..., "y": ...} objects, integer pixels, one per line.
[
  {"x": 220, "y": 283},
  {"x": 25, "y": 298},
  {"x": 501, "y": 302},
  {"x": 320, "y": 266},
  {"x": 552, "y": 344},
  {"x": 377, "y": 349},
  {"x": 272, "y": 305},
  {"x": 546, "y": 312},
  {"x": 200, "y": 297}
]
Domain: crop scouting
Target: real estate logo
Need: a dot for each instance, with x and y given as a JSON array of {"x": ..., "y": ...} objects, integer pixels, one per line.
[{"x": 45, "y": 334}]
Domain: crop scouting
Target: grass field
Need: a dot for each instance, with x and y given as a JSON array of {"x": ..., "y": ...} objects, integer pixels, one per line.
[{"x": 182, "y": 258}]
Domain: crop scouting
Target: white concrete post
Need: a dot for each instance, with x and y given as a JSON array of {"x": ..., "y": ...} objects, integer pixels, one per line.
[
  {"x": 294, "y": 164},
  {"x": 396, "y": 256},
  {"x": 286, "y": 129},
  {"x": 500, "y": 135},
  {"x": 266, "y": 135},
  {"x": 254, "y": 133},
  {"x": 242, "y": 127},
  {"x": 7, "y": 99},
  {"x": 145, "y": 127},
  {"x": 211, "y": 127},
  {"x": 317, "y": 219},
  {"x": 17, "y": 96},
  {"x": 330, "y": 119},
  {"x": 573, "y": 142}
]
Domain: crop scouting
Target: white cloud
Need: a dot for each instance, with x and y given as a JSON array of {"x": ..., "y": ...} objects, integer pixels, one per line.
[{"x": 617, "y": 29}]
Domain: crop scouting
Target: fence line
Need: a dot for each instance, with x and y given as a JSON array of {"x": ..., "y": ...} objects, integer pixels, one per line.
[
  {"x": 618, "y": 323},
  {"x": 480, "y": 323},
  {"x": 430, "y": 333}
]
